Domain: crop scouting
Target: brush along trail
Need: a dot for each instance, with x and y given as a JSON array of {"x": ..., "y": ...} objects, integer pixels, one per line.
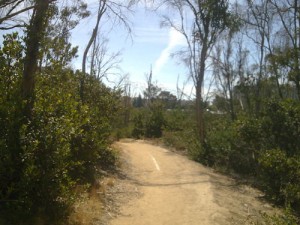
[{"x": 159, "y": 187}]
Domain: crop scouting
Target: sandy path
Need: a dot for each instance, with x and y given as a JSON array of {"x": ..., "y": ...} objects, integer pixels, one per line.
[{"x": 174, "y": 190}]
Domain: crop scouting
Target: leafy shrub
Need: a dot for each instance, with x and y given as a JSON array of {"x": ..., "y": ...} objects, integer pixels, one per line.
[
  {"x": 248, "y": 141},
  {"x": 281, "y": 176},
  {"x": 138, "y": 126},
  {"x": 281, "y": 124},
  {"x": 195, "y": 149},
  {"x": 155, "y": 122},
  {"x": 218, "y": 148},
  {"x": 175, "y": 139},
  {"x": 63, "y": 143}
]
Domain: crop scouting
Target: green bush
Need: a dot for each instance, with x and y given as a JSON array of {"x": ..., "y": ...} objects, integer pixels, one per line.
[
  {"x": 281, "y": 176},
  {"x": 281, "y": 124},
  {"x": 218, "y": 148},
  {"x": 195, "y": 150},
  {"x": 155, "y": 122},
  {"x": 248, "y": 141},
  {"x": 64, "y": 143},
  {"x": 174, "y": 139},
  {"x": 138, "y": 126}
]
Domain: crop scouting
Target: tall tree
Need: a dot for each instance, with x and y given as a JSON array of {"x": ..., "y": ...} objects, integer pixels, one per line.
[
  {"x": 114, "y": 10},
  {"x": 224, "y": 70},
  {"x": 104, "y": 64},
  {"x": 56, "y": 47},
  {"x": 152, "y": 90},
  {"x": 209, "y": 19},
  {"x": 101, "y": 10},
  {"x": 288, "y": 12},
  {"x": 35, "y": 34},
  {"x": 259, "y": 24}
]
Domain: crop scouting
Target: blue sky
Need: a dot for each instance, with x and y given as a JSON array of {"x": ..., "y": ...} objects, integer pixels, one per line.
[{"x": 150, "y": 45}]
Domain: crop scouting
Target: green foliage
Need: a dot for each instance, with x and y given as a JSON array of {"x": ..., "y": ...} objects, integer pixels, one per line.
[
  {"x": 180, "y": 134},
  {"x": 247, "y": 143},
  {"x": 174, "y": 139},
  {"x": 195, "y": 149},
  {"x": 279, "y": 162},
  {"x": 149, "y": 122},
  {"x": 287, "y": 59},
  {"x": 155, "y": 122},
  {"x": 138, "y": 126},
  {"x": 281, "y": 176},
  {"x": 168, "y": 100},
  {"x": 218, "y": 148},
  {"x": 11, "y": 57},
  {"x": 281, "y": 124},
  {"x": 64, "y": 144},
  {"x": 286, "y": 219},
  {"x": 177, "y": 119},
  {"x": 266, "y": 147},
  {"x": 138, "y": 102}
]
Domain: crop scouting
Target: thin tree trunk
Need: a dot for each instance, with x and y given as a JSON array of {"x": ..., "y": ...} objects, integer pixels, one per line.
[
  {"x": 260, "y": 73},
  {"x": 101, "y": 11},
  {"x": 296, "y": 28},
  {"x": 199, "y": 114},
  {"x": 199, "y": 109},
  {"x": 93, "y": 59},
  {"x": 231, "y": 99}
]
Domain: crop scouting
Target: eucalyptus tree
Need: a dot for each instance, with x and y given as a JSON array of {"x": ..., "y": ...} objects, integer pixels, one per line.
[
  {"x": 117, "y": 13},
  {"x": 224, "y": 70},
  {"x": 288, "y": 12},
  {"x": 11, "y": 11},
  {"x": 201, "y": 23},
  {"x": 104, "y": 64},
  {"x": 56, "y": 46},
  {"x": 152, "y": 90},
  {"x": 35, "y": 34},
  {"x": 261, "y": 29}
]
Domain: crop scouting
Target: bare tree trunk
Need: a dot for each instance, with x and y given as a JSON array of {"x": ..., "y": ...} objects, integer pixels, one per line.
[
  {"x": 199, "y": 114},
  {"x": 292, "y": 31},
  {"x": 229, "y": 74},
  {"x": 297, "y": 43},
  {"x": 101, "y": 11},
  {"x": 232, "y": 113},
  {"x": 93, "y": 58},
  {"x": 199, "y": 108},
  {"x": 200, "y": 41},
  {"x": 35, "y": 34},
  {"x": 127, "y": 103},
  {"x": 260, "y": 74}
]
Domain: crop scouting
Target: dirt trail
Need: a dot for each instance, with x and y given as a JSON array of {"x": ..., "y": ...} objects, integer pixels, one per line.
[{"x": 160, "y": 187}]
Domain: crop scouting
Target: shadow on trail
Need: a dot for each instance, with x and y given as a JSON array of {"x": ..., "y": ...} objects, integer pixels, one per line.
[{"x": 140, "y": 183}]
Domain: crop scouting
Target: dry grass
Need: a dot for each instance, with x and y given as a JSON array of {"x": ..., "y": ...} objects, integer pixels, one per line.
[{"x": 89, "y": 209}]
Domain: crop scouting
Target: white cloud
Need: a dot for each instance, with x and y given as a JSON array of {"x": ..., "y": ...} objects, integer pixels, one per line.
[
  {"x": 150, "y": 35},
  {"x": 175, "y": 39}
]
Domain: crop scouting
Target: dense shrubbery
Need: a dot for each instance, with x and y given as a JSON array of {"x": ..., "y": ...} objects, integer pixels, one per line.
[
  {"x": 149, "y": 122},
  {"x": 155, "y": 121},
  {"x": 267, "y": 148},
  {"x": 138, "y": 129},
  {"x": 63, "y": 144},
  {"x": 280, "y": 159}
]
